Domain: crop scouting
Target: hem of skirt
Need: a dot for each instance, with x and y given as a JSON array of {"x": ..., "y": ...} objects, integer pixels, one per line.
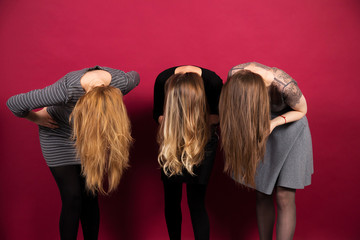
[
  {"x": 62, "y": 164},
  {"x": 302, "y": 186}
]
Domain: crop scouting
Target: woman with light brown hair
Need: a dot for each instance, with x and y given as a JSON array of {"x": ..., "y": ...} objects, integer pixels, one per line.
[
  {"x": 186, "y": 107},
  {"x": 266, "y": 141},
  {"x": 85, "y": 137}
]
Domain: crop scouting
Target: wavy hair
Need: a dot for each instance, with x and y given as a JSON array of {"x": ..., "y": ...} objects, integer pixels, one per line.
[
  {"x": 184, "y": 130},
  {"x": 102, "y": 134},
  {"x": 244, "y": 112}
]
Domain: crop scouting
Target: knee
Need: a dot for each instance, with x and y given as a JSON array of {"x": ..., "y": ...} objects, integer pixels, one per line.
[
  {"x": 172, "y": 200},
  {"x": 285, "y": 199},
  {"x": 262, "y": 197},
  {"x": 195, "y": 204},
  {"x": 172, "y": 203},
  {"x": 71, "y": 200}
]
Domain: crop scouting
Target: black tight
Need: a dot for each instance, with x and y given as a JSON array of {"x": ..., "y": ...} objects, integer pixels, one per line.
[
  {"x": 77, "y": 204},
  {"x": 286, "y": 214},
  {"x": 196, "y": 201}
]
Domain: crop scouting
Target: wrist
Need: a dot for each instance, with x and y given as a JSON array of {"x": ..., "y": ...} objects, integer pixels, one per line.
[
  {"x": 277, "y": 121},
  {"x": 283, "y": 118},
  {"x": 32, "y": 116}
]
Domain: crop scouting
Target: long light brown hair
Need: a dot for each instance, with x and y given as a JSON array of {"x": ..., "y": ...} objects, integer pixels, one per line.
[
  {"x": 244, "y": 112},
  {"x": 102, "y": 134},
  {"x": 184, "y": 130}
]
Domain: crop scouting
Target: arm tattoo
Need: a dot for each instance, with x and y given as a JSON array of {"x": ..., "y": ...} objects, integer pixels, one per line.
[
  {"x": 288, "y": 87},
  {"x": 282, "y": 76},
  {"x": 237, "y": 68},
  {"x": 292, "y": 93},
  {"x": 259, "y": 65}
]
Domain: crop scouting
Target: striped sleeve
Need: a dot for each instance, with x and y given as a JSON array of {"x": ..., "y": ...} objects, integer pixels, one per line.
[
  {"x": 55, "y": 94},
  {"x": 133, "y": 79},
  {"x": 123, "y": 81}
]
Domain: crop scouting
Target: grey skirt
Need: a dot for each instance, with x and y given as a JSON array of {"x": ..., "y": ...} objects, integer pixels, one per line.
[{"x": 288, "y": 160}]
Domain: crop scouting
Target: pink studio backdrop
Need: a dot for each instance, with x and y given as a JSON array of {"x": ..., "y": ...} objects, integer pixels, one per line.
[{"x": 316, "y": 42}]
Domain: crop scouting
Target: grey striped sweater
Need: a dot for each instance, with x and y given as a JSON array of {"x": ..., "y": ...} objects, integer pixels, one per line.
[{"x": 60, "y": 98}]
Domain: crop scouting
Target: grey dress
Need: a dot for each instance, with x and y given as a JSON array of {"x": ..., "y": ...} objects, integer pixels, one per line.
[
  {"x": 288, "y": 160},
  {"x": 60, "y": 98}
]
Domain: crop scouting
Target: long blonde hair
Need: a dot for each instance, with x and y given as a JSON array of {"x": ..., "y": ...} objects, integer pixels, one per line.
[
  {"x": 184, "y": 130},
  {"x": 244, "y": 112},
  {"x": 102, "y": 134}
]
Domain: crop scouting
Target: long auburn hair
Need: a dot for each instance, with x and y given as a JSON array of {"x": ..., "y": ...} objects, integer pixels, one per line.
[
  {"x": 102, "y": 134},
  {"x": 244, "y": 112},
  {"x": 184, "y": 130}
]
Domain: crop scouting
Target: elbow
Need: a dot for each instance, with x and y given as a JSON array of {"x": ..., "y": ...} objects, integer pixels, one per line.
[
  {"x": 305, "y": 111},
  {"x": 10, "y": 103},
  {"x": 136, "y": 78}
]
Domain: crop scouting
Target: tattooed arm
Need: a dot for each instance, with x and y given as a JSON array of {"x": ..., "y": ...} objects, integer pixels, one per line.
[
  {"x": 292, "y": 96},
  {"x": 237, "y": 68},
  {"x": 288, "y": 87},
  {"x": 264, "y": 71}
]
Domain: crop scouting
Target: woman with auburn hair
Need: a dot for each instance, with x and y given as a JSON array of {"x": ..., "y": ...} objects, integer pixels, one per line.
[
  {"x": 186, "y": 107},
  {"x": 85, "y": 137},
  {"x": 266, "y": 141}
]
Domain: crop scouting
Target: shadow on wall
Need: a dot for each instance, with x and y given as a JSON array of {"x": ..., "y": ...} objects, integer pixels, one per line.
[{"x": 136, "y": 210}]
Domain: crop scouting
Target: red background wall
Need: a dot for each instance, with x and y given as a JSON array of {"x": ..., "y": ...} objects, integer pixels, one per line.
[{"x": 316, "y": 42}]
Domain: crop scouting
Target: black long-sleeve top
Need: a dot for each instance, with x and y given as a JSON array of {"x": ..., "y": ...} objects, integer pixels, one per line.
[{"x": 212, "y": 84}]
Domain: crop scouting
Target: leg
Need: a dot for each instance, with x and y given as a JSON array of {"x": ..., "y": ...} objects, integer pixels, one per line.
[
  {"x": 286, "y": 219},
  {"x": 90, "y": 214},
  {"x": 199, "y": 218},
  {"x": 173, "y": 217},
  {"x": 265, "y": 213},
  {"x": 68, "y": 181}
]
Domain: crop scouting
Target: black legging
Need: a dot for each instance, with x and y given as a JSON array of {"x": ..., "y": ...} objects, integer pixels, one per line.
[
  {"x": 77, "y": 204},
  {"x": 196, "y": 201}
]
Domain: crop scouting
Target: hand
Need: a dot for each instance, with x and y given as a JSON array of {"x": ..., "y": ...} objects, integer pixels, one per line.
[{"x": 43, "y": 118}]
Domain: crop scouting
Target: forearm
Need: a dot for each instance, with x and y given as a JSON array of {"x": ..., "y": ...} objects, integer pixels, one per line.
[
  {"x": 31, "y": 116},
  {"x": 288, "y": 117},
  {"x": 41, "y": 118},
  {"x": 238, "y": 68}
]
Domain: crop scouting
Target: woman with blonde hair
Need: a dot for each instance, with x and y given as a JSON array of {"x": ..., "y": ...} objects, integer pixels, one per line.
[
  {"x": 266, "y": 141},
  {"x": 186, "y": 107},
  {"x": 85, "y": 137}
]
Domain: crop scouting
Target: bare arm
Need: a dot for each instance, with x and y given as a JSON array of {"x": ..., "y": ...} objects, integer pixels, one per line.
[
  {"x": 293, "y": 97},
  {"x": 264, "y": 71},
  {"x": 188, "y": 68},
  {"x": 299, "y": 111}
]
